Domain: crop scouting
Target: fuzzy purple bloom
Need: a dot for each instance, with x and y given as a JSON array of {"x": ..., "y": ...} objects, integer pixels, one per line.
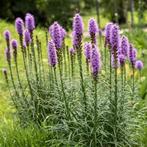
[
  {"x": 27, "y": 37},
  {"x": 72, "y": 51},
  {"x": 78, "y": 24},
  {"x": 95, "y": 61},
  {"x": 87, "y": 50},
  {"x": 93, "y": 29},
  {"x": 124, "y": 47},
  {"x": 56, "y": 35},
  {"x": 115, "y": 38},
  {"x": 19, "y": 25},
  {"x": 52, "y": 55},
  {"x": 8, "y": 55},
  {"x": 30, "y": 22},
  {"x": 108, "y": 33},
  {"x": 132, "y": 55},
  {"x": 7, "y": 35},
  {"x": 139, "y": 64},
  {"x": 122, "y": 59},
  {"x": 77, "y": 30}
]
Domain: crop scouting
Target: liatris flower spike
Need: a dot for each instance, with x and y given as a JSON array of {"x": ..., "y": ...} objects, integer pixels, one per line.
[
  {"x": 77, "y": 30},
  {"x": 87, "y": 50},
  {"x": 115, "y": 38},
  {"x": 93, "y": 29},
  {"x": 132, "y": 55},
  {"x": 30, "y": 22},
  {"x": 95, "y": 61},
  {"x": 19, "y": 25},
  {"x": 56, "y": 35},
  {"x": 27, "y": 37},
  {"x": 52, "y": 55},
  {"x": 139, "y": 65},
  {"x": 108, "y": 33},
  {"x": 14, "y": 45},
  {"x": 115, "y": 44},
  {"x": 7, "y": 35},
  {"x": 124, "y": 47}
]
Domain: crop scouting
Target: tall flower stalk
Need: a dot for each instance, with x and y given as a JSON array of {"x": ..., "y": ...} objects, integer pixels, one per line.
[
  {"x": 115, "y": 45},
  {"x": 132, "y": 58},
  {"x": 77, "y": 44},
  {"x": 107, "y": 43},
  {"x": 95, "y": 69},
  {"x": 30, "y": 25}
]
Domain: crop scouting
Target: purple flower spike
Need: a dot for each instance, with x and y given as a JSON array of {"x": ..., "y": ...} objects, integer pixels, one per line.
[
  {"x": 27, "y": 37},
  {"x": 19, "y": 25},
  {"x": 122, "y": 59},
  {"x": 52, "y": 55},
  {"x": 108, "y": 33},
  {"x": 56, "y": 35},
  {"x": 95, "y": 61},
  {"x": 72, "y": 51},
  {"x": 7, "y": 35},
  {"x": 115, "y": 38},
  {"x": 124, "y": 48},
  {"x": 30, "y": 22},
  {"x": 77, "y": 31},
  {"x": 139, "y": 65},
  {"x": 132, "y": 55},
  {"x": 8, "y": 55},
  {"x": 78, "y": 24},
  {"x": 87, "y": 50},
  {"x": 93, "y": 29}
]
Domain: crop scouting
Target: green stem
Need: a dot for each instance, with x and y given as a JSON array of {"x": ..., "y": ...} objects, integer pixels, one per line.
[
  {"x": 25, "y": 66},
  {"x": 110, "y": 78},
  {"x": 34, "y": 57},
  {"x": 95, "y": 111},
  {"x": 79, "y": 56},
  {"x": 18, "y": 77},
  {"x": 63, "y": 92},
  {"x": 72, "y": 65},
  {"x": 12, "y": 79},
  {"x": 133, "y": 81},
  {"x": 87, "y": 66}
]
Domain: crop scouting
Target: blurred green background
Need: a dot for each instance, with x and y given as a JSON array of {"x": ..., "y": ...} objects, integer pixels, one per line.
[{"x": 47, "y": 11}]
